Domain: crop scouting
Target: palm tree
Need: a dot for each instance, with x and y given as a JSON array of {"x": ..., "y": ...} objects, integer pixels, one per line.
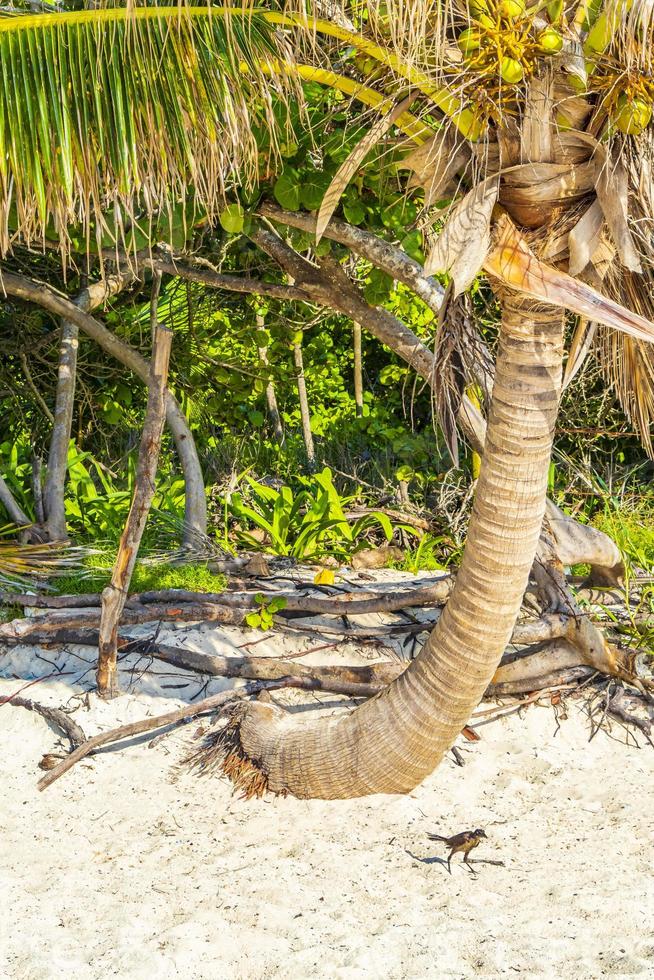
[{"x": 540, "y": 118}]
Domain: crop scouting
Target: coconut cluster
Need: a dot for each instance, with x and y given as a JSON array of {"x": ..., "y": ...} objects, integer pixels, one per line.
[{"x": 504, "y": 40}]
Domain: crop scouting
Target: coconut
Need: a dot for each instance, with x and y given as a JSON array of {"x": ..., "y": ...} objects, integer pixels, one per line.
[
  {"x": 550, "y": 41},
  {"x": 631, "y": 116},
  {"x": 511, "y": 9},
  {"x": 468, "y": 41},
  {"x": 511, "y": 71}
]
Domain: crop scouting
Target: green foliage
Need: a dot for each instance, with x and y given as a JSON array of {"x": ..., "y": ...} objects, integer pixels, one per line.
[
  {"x": 263, "y": 617},
  {"x": 434, "y": 553},
  {"x": 220, "y": 379},
  {"x": 306, "y": 524},
  {"x": 148, "y": 576}
]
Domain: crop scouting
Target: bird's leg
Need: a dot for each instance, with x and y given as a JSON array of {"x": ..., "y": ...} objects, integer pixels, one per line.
[
  {"x": 470, "y": 867},
  {"x": 449, "y": 862}
]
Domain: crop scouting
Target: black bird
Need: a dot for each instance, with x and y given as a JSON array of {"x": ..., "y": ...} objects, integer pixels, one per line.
[{"x": 464, "y": 842}]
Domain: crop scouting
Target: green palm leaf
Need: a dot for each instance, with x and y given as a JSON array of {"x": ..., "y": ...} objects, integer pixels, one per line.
[{"x": 111, "y": 116}]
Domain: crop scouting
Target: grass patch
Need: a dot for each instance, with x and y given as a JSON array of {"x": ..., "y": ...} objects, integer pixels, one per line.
[
  {"x": 147, "y": 577},
  {"x": 632, "y": 531}
]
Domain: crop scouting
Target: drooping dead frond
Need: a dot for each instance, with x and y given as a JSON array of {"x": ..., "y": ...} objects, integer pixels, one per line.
[
  {"x": 512, "y": 262},
  {"x": 435, "y": 163},
  {"x": 463, "y": 244},
  {"x": 349, "y": 167},
  {"x": 114, "y": 117},
  {"x": 585, "y": 237},
  {"x": 22, "y": 564},
  {"x": 612, "y": 194},
  {"x": 458, "y": 356},
  {"x": 627, "y": 363},
  {"x": 220, "y": 752}
]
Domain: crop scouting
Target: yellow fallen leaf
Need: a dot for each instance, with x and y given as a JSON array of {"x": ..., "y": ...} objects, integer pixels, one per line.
[{"x": 324, "y": 577}]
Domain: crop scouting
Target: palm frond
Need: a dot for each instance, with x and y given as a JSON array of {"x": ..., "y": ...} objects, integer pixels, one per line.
[
  {"x": 111, "y": 117},
  {"x": 23, "y": 566},
  {"x": 628, "y": 363}
]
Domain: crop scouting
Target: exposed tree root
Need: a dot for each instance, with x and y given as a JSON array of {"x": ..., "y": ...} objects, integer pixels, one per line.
[{"x": 526, "y": 685}]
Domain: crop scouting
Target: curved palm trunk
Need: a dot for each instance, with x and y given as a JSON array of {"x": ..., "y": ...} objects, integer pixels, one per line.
[{"x": 392, "y": 742}]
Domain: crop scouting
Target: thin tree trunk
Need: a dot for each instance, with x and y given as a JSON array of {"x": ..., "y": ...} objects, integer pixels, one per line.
[
  {"x": 358, "y": 370},
  {"x": 114, "y": 596},
  {"x": 271, "y": 396},
  {"x": 195, "y": 516},
  {"x": 55, "y": 486},
  {"x": 60, "y": 440},
  {"x": 394, "y": 741},
  {"x": 11, "y": 505},
  {"x": 305, "y": 414},
  {"x": 37, "y": 490}
]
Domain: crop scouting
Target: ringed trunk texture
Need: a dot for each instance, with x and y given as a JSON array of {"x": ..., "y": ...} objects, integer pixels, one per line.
[{"x": 392, "y": 742}]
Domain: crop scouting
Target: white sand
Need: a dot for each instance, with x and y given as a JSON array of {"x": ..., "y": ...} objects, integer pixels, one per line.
[{"x": 127, "y": 868}]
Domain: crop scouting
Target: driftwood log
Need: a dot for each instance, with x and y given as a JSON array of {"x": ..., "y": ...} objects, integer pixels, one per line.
[
  {"x": 554, "y": 642},
  {"x": 436, "y": 593},
  {"x": 55, "y": 716}
]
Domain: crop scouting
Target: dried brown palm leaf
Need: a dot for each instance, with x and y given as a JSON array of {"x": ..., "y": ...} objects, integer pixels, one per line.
[
  {"x": 435, "y": 163},
  {"x": 613, "y": 195},
  {"x": 349, "y": 167},
  {"x": 584, "y": 238},
  {"x": 512, "y": 262},
  {"x": 628, "y": 364},
  {"x": 580, "y": 346},
  {"x": 569, "y": 146},
  {"x": 463, "y": 244},
  {"x": 449, "y": 375}
]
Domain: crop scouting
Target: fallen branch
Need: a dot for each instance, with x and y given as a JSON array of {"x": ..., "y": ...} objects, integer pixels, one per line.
[
  {"x": 56, "y": 716},
  {"x": 349, "y": 603},
  {"x": 346, "y": 678},
  {"x": 616, "y": 708},
  {"x": 527, "y": 685},
  {"x": 25, "y": 630}
]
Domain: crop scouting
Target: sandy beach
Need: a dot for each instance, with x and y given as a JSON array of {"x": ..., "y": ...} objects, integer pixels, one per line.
[{"x": 132, "y": 867}]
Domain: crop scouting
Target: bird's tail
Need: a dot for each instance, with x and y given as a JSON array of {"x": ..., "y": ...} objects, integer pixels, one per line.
[{"x": 437, "y": 837}]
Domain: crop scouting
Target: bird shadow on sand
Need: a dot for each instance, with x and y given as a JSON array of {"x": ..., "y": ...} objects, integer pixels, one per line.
[
  {"x": 443, "y": 861},
  {"x": 427, "y": 860}
]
